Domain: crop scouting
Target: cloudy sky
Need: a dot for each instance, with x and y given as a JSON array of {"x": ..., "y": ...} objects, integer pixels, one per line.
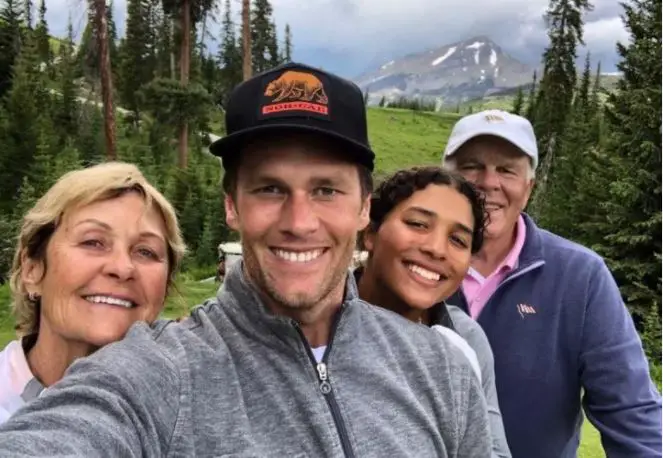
[{"x": 351, "y": 36}]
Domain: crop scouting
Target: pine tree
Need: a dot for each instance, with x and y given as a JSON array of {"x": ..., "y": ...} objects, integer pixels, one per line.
[
  {"x": 28, "y": 106},
  {"x": 230, "y": 55},
  {"x": 595, "y": 92},
  {"x": 264, "y": 50},
  {"x": 162, "y": 41},
  {"x": 27, "y": 12},
  {"x": 287, "y": 46},
  {"x": 566, "y": 195},
  {"x": 632, "y": 228},
  {"x": 42, "y": 36},
  {"x": 137, "y": 61},
  {"x": 11, "y": 36},
  {"x": 88, "y": 53},
  {"x": 595, "y": 108},
  {"x": 531, "y": 99},
  {"x": 518, "y": 102},
  {"x": 554, "y": 99},
  {"x": 189, "y": 13},
  {"x": 67, "y": 106},
  {"x": 564, "y": 19},
  {"x": 273, "y": 47},
  {"x": 206, "y": 253},
  {"x": 112, "y": 32},
  {"x": 581, "y": 102}
]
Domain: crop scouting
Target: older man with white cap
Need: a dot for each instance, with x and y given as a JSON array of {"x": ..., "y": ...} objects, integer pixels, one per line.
[{"x": 552, "y": 312}]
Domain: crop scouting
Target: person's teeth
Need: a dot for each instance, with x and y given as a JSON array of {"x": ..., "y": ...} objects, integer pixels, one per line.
[
  {"x": 302, "y": 256},
  {"x": 109, "y": 300},
  {"x": 427, "y": 274}
]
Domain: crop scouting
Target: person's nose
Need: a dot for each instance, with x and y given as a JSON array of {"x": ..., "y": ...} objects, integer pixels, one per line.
[
  {"x": 436, "y": 244},
  {"x": 120, "y": 265},
  {"x": 488, "y": 179},
  {"x": 299, "y": 217}
]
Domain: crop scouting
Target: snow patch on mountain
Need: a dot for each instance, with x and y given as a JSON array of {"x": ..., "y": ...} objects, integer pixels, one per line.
[{"x": 443, "y": 57}]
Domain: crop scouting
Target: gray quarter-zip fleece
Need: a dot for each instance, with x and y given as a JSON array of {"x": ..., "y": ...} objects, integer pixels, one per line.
[{"x": 235, "y": 380}]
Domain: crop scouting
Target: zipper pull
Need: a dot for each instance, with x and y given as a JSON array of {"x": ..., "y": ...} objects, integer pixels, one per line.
[{"x": 325, "y": 387}]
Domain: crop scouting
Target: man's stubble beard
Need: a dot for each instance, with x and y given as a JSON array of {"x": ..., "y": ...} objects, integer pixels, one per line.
[{"x": 302, "y": 302}]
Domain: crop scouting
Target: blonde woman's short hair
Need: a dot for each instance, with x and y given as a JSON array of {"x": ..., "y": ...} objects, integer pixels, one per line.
[{"x": 76, "y": 189}]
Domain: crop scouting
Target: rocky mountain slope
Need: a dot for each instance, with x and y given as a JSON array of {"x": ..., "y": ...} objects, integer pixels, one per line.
[{"x": 450, "y": 74}]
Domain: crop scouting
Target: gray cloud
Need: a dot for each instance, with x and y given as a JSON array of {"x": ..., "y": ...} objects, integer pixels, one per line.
[
  {"x": 374, "y": 31},
  {"x": 349, "y": 36}
]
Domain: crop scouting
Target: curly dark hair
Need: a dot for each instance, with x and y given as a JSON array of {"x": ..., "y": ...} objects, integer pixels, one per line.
[{"x": 401, "y": 185}]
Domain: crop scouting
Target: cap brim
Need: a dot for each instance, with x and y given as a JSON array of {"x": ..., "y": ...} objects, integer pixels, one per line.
[
  {"x": 467, "y": 138},
  {"x": 230, "y": 145}
]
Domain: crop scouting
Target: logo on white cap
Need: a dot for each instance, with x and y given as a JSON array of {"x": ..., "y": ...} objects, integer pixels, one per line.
[{"x": 493, "y": 118}]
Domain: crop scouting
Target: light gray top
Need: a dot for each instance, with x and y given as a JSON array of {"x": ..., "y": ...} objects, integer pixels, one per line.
[
  {"x": 235, "y": 380},
  {"x": 471, "y": 331}
]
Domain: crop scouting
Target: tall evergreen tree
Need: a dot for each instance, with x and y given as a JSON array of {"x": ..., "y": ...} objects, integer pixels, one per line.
[
  {"x": 287, "y": 45},
  {"x": 554, "y": 99},
  {"x": 112, "y": 32},
  {"x": 137, "y": 57},
  {"x": 42, "y": 36},
  {"x": 162, "y": 40},
  {"x": 581, "y": 101},
  {"x": 518, "y": 102},
  {"x": 230, "y": 54},
  {"x": 531, "y": 99},
  {"x": 189, "y": 13},
  {"x": 88, "y": 53},
  {"x": 264, "y": 48},
  {"x": 27, "y": 13},
  {"x": 565, "y": 196},
  {"x": 564, "y": 19},
  {"x": 273, "y": 47},
  {"x": 595, "y": 93},
  {"x": 66, "y": 106},
  {"x": 28, "y": 108},
  {"x": 595, "y": 107},
  {"x": 11, "y": 34},
  {"x": 632, "y": 227}
]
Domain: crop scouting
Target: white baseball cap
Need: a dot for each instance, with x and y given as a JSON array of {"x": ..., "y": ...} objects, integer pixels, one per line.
[{"x": 512, "y": 128}]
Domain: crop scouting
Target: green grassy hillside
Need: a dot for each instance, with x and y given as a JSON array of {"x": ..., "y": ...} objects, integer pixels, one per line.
[{"x": 404, "y": 138}]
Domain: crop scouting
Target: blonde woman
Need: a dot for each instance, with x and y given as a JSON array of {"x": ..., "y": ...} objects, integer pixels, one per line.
[{"x": 95, "y": 254}]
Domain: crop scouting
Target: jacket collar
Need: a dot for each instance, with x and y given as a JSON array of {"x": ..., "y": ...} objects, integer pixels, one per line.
[{"x": 533, "y": 249}]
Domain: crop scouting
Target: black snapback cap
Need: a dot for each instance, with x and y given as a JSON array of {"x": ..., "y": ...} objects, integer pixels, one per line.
[{"x": 296, "y": 98}]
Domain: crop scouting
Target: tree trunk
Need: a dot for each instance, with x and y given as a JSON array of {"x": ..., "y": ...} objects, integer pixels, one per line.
[
  {"x": 246, "y": 40},
  {"x": 185, "y": 64},
  {"x": 106, "y": 78}
]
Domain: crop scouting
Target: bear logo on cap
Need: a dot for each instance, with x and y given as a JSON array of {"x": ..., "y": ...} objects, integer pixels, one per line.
[{"x": 294, "y": 90}]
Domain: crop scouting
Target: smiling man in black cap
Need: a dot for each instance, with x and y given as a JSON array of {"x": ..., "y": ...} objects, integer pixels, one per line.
[{"x": 286, "y": 360}]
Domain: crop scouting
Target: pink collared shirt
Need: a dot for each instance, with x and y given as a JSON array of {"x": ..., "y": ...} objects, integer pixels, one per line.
[{"x": 478, "y": 289}]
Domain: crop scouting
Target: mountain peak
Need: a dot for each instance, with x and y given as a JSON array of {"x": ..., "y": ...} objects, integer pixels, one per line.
[
  {"x": 479, "y": 38},
  {"x": 451, "y": 73}
]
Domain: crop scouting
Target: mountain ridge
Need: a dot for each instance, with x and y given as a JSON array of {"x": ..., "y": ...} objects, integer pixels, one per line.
[{"x": 449, "y": 74}]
